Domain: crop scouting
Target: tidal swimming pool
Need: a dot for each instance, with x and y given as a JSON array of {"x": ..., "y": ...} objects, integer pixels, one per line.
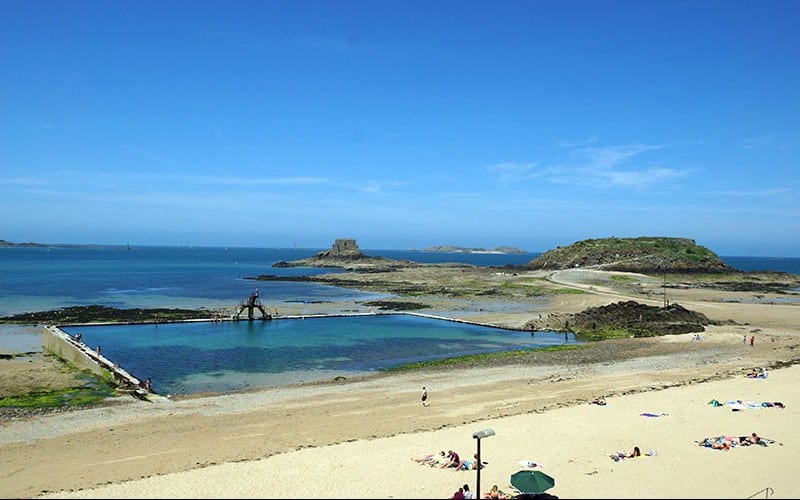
[{"x": 190, "y": 358}]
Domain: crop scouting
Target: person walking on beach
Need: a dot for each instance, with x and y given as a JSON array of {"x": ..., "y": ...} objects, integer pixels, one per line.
[
  {"x": 424, "y": 397},
  {"x": 752, "y": 340},
  {"x": 744, "y": 340}
]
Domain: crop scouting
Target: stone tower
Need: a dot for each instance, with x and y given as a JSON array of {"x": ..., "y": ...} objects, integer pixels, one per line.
[{"x": 345, "y": 247}]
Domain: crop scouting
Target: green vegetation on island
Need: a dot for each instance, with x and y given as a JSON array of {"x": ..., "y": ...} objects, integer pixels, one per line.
[{"x": 645, "y": 254}]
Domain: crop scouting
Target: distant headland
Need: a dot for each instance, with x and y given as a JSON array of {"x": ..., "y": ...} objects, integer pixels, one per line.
[{"x": 30, "y": 244}]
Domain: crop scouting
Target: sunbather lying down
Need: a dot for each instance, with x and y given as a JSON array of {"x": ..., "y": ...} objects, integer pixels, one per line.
[
  {"x": 621, "y": 455},
  {"x": 728, "y": 442},
  {"x": 433, "y": 460}
]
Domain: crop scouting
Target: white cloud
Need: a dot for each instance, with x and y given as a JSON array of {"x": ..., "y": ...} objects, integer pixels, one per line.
[{"x": 512, "y": 172}]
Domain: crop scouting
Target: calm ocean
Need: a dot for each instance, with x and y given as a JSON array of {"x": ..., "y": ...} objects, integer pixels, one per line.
[
  {"x": 41, "y": 279},
  {"x": 234, "y": 356}
]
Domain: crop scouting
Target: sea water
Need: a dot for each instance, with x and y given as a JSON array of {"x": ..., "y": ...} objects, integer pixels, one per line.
[
  {"x": 235, "y": 356},
  {"x": 187, "y": 358},
  {"x": 48, "y": 278}
]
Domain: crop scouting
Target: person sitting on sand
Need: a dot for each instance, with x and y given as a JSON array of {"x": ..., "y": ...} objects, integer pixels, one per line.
[
  {"x": 467, "y": 492},
  {"x": 753, "y": 373},
  {"x": 495, "y": 493},
  {"x": 635, "y": 453},
  {"x": 470, "y": 464},
  {"x": 600, "y": 401},
  {"x": 453, "y": 461}
]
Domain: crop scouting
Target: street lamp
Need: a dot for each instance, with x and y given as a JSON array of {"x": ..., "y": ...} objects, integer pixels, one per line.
[{"x": 478, "y": 436}]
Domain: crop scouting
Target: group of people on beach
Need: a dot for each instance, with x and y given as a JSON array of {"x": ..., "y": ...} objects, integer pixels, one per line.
[
  {"x": 757, "y": 373},
  {"x": 463, "y": 492},
  {"x": 495, "y": 492},
  {"x": 728, "y": 442},
  {"x": 449, "y": 460}
]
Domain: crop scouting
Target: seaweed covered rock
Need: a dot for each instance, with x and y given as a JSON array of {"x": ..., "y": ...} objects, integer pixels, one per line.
[{"x": 628, "y": 318}]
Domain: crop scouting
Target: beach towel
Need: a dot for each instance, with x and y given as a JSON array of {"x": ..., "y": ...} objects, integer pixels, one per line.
[
  {"x": 743, "y": 405},
  {"x": 653, "y": 414}
]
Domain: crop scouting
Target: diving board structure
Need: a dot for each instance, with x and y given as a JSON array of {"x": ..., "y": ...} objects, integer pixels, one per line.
[{"x": 252, "y": 303}]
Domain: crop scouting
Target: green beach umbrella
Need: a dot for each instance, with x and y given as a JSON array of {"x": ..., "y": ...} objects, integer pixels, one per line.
[{"x": 532, "y": 481}]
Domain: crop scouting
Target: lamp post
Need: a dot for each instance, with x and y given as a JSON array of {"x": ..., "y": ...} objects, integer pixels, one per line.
[{"x": 478, "y": 436}]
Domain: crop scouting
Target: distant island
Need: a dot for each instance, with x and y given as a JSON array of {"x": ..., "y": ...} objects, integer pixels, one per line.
[
  {"x": 644, "y": 254},
  {"x": 30, "y": 244},
  {"x": 454, "y": 249}
]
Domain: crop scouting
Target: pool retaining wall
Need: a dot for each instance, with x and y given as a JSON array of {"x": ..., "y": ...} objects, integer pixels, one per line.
[{"x": 56, "y": 341}]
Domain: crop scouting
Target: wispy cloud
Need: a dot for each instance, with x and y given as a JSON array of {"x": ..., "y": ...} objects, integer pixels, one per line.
[
  {"x": 571, "y": 144},
  {"x": 369, "y": 187},
  {"x": 260, "y": 181},
  {"x": 375, "y": 186},
  {"x": 612, "y": 166},
  {"x": 512, "y": 172},
  {"x": 21, "y": 181},
  {"x": 604, "y": 158},
  {"x": 640, "y": 178},
  {"x": 773, "y": 141},
  {"x": 768, "y": 192},
  {"x": 330, "y": 43}
]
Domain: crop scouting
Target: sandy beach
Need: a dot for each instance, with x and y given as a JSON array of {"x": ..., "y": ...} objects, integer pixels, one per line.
[
  {"x": 358, "y": 438},
  {"x": 572, "y": 444}
]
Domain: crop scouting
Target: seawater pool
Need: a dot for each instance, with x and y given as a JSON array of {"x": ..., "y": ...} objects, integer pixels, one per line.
[{"x": 196, "y": 357}]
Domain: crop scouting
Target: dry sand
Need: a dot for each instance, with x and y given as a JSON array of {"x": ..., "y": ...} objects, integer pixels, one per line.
[
  {"x": 357, "y": 439},
  {"x": 572, "y": 444}
]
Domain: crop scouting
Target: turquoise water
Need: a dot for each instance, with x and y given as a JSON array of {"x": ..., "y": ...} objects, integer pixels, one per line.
[
  {"x": 186, "y": 358},
  {"x": 221, "y": 357},
  {"x": 41, "y": 279}
]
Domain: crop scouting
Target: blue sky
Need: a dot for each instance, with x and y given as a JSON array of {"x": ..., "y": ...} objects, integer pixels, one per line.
[{"x": 402, "y": 124}]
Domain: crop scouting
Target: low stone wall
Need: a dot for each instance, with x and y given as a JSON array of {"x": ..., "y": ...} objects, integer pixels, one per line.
[
  {"x": 57, "y": 342},
  {"x": 61, "y": 344}
]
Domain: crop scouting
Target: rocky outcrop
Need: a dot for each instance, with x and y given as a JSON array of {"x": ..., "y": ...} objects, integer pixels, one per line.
[
  {"x": 630, "y": 318},
  {"x": 344, "y": 253},
  {"x": 642, "y": 255}
]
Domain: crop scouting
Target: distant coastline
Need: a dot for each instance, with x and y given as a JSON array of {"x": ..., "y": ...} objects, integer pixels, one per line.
[
  {"x": 30, "y": 244},
  {"x": 455, "y": 249}
]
